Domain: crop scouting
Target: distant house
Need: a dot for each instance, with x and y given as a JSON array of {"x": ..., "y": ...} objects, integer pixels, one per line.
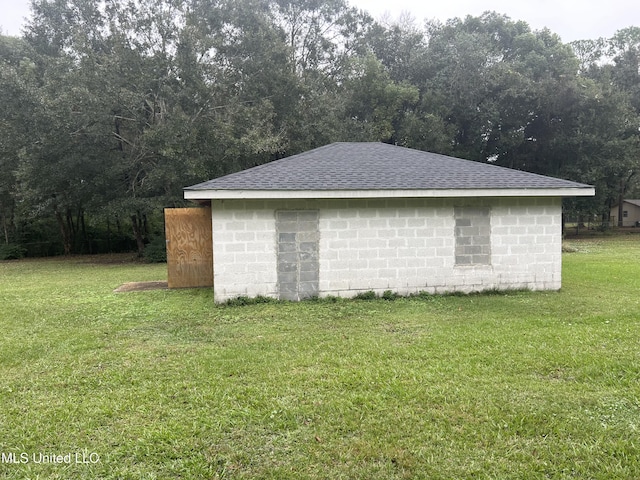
[
  {"x": 353, "y": 217},
  {"x": 630, "y": 214}
]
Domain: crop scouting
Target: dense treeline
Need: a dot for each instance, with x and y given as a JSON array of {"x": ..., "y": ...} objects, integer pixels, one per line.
[{"x": 111, "y": 107}]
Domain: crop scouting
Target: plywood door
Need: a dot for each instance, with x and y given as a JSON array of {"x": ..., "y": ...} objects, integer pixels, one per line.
[{"x": 189, "y": 247}]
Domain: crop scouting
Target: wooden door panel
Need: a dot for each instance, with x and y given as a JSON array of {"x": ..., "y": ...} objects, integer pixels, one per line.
[{"x": 189, "y": 247}]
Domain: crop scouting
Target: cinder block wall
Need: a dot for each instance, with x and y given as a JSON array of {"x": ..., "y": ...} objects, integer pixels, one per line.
[
  {"x": 403, "y": 245},
  {"x": 244, "y": 250}
]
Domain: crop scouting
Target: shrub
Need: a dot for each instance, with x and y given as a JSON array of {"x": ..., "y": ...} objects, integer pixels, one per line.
[
  {"x": 12, "y": 252},
  {"x": 370, "y": 295},
  {"x": 243, "y": 301},
  {"x": 156, "y": 250},
  {"x": 390, "y": 295}
]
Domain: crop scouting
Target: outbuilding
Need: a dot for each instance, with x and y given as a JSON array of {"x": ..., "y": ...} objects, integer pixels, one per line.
[
  {"x": 627, "y": 215},
  {"x": 349, "y": 218}
]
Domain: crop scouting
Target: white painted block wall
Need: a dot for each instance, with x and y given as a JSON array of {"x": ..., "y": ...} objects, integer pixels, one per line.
[{"x": 403, "y": 245}]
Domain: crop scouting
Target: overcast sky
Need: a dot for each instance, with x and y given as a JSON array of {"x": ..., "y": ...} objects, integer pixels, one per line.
[{"x": 571, "y": 19}]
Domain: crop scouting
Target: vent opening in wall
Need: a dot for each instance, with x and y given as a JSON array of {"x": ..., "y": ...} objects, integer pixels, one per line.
[
  {"x": 473, "y": 236},
  {"x": 298, "y": 237}
]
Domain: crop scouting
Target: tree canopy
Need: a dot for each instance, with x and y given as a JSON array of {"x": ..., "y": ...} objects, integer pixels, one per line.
[{"x": 111, "y": 107}]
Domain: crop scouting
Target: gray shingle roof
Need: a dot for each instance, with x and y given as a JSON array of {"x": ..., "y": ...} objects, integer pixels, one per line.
[{"x": 378, "y": 166}]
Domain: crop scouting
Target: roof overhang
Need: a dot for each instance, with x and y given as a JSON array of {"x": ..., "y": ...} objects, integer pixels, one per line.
[{"x": 586, "y": 191}]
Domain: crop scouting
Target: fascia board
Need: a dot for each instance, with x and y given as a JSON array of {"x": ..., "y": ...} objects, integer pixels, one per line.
[{"x": 435, "y": 193}]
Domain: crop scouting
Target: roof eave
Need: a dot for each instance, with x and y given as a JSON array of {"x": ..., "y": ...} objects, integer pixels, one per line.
[{"x": 211, "y": 194}]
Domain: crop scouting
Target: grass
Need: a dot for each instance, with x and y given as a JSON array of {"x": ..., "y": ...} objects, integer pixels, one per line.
[{"x": 164, "y": 384}]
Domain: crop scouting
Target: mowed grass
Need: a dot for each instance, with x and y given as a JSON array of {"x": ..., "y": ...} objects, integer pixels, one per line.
[{"x": 164, "y": 384}]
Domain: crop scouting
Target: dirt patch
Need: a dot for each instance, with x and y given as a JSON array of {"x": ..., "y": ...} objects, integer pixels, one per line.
[{"x": 141, "y": 286}]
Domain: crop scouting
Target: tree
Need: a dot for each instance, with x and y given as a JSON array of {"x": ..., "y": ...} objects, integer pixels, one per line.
[
  {"x": 17, "y": 102},
  {"x": 167, "y": 80},
  {"x": 606, "y": 135},
  {"x": 319, "y": 34},
  {"x": 512, "y": 95},
  {"x": 400, "y": 46},
  {"x": 375, "y": 105},
  {"x": 624, "y": 49},
  {"x": 321, "y": 39},
  {"x": 112, "y": 107}
]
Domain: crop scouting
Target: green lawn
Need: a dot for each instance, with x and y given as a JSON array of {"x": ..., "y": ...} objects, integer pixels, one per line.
[{"x": 164, "y": 384}]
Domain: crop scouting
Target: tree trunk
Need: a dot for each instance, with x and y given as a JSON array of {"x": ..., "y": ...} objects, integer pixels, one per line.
[
  {"x": 72, "y": 230},
  {"x": 6, "y": 229},
  {"x": 108, "y": 235},
  {"x": 64, "y": 232},
  {"x": 620, "y": 209},
  {"x": 83, "y": 231},
  {"x": 136, "y": 223}
]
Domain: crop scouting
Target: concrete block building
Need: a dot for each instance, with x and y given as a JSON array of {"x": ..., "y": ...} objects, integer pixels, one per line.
[{"x": 348, "y": 218}]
